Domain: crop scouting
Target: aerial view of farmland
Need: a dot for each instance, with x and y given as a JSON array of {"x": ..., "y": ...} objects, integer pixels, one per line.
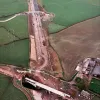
[
  {"x": 49, "y": 49},
  {"x": 14, "y": 44}
]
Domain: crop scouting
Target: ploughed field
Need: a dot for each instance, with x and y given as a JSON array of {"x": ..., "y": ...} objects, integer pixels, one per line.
[
  {"x": 76, "y": 43},
  {"x": 14, "y": 44},
  {"x": 79, "y": 22},
  {"x": 69, "y": 12}
]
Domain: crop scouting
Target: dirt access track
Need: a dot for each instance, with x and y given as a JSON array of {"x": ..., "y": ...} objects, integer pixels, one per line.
[{"x": 77, "y": 42}]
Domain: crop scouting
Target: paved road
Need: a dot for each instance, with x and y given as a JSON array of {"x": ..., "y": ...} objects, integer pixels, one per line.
[{"x": 23, "y": 13}]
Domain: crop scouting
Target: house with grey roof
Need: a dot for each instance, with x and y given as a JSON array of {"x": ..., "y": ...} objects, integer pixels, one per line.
[{"x": 96, "y": 71}]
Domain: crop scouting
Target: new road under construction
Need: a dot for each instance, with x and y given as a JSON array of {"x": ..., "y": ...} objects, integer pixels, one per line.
[
  {"x": 39, "y": 60},
  {"x": 42, "y": 55},
  {"x": 41, "y": 45}
]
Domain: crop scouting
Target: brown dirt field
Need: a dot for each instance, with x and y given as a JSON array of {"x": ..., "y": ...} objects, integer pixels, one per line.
[
  {"x": 76, "y": 43},
  {"x": 31, "y": 31},
  {"x": 56, "y": 63},
  {"x": 32, "y": 42}
]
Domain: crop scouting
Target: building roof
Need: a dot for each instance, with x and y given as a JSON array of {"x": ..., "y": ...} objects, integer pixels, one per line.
[
  {"x": 85, "y": 93},
  {"x": 96, "y": 70}
]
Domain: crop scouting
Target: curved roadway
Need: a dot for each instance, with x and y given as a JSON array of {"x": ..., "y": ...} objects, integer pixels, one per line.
[{"x": 10, "y": 18}]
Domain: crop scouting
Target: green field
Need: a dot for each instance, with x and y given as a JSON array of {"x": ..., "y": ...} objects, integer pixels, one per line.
[
  {"x": 14, "y": 44},
  {"x": 8, "y": 91},
  {"x": 5, "y": 36},
  {"x": 69, "y": 12},
  {"x": 55, "y": 27},
  {"x": 9, "y": 7},
  {"x": 95, "y": 85},
  {"x": 16, "y": 53},
  {"x": 15, "y": 29}
]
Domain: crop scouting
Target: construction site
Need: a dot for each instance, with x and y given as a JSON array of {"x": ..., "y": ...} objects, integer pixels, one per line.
[{"x": 40, "y": 60}]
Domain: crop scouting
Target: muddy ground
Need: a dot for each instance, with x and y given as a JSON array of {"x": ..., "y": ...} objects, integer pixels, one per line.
[{"x": 76, "y": 43}]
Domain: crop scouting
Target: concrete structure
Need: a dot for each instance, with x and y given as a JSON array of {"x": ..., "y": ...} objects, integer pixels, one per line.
[
  {"x": 35, "y": 83},
  {"x": 84, "y": 95},
  {"x": 89, "y": 66},
  {"x": 96, "y": 71}
]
